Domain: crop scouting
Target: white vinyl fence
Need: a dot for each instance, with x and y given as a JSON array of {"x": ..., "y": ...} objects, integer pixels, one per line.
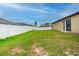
[
  {"x": 42, "y": 28},
  {"x": 11, "y": 30}
]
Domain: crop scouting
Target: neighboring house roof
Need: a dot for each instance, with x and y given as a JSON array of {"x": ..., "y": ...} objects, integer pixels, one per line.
[
  {"x": 22, "y": 24},
  {"x": 66, "y": 17},
  {"x": 4, "y": 21}
]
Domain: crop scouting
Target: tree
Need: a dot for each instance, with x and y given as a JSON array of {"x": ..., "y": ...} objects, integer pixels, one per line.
[
  {"x": 35, "y": 23},
  {"x": 47, "y": 24}
]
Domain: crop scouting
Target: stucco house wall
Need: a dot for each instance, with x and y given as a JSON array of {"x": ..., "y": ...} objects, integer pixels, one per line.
[
  {"x": 75, "y": 23},
  {"x": 59, "y": 25}
]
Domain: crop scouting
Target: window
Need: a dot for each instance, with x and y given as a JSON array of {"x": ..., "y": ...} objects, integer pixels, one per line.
[{"x": 67, "y": 24}]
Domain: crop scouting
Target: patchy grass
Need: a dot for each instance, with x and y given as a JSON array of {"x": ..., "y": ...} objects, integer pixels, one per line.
[
  {"x": 16, "y": 43},
  {"x": 54, "y": 42}
]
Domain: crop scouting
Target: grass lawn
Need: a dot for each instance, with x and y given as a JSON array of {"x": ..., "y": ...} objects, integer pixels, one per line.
[{"x": 54, "y": 42}]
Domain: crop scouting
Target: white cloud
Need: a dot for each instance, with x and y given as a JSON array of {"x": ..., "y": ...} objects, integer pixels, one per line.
[
  {"x": 34, "y": 9},
  {"x": 43, "y": 8},
  {"x": 38, "y": 10},
  {"x": 46, "y": 9},
  {"x": 66, "y": 13},
  {"x": 2, "y": 14},
  {"x": 69, "y": 10},
  {"x": 16, "y": 6}
]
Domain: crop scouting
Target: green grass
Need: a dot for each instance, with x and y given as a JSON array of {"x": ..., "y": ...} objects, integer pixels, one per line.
[{"x": 54, "y": 42}]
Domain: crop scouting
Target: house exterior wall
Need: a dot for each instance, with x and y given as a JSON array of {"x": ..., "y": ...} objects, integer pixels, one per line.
[
  {"x": 58, "y": 26},
  {"x": 74, "y": 24}
]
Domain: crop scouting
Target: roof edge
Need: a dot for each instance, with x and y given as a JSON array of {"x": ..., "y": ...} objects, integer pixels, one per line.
[{"x": 66, "y": 17}]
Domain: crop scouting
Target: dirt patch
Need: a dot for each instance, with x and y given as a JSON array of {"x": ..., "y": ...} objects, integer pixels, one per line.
[
  {"x": 16, "y": 50},
  {"x": 68, "y": 52},
  {"x": 72, "y": 51},
  {"x": 38, "y": 51}
]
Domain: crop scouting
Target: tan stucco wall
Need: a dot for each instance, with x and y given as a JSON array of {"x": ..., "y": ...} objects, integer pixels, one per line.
[
  {"x": 58, "y": 26},
  {"x": 74, "y": 24}
]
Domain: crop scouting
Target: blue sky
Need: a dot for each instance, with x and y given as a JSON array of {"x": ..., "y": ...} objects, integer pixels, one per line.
[{"x": 40, "y": 12}]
